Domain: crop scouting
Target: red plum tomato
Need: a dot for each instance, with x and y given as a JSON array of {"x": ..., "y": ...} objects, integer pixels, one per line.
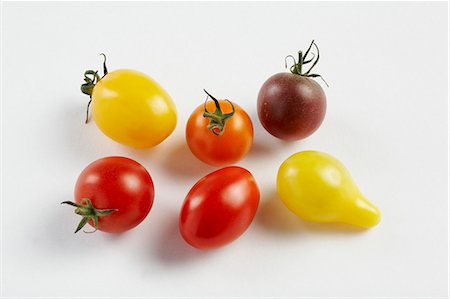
[{"x": 219, "y": 208}]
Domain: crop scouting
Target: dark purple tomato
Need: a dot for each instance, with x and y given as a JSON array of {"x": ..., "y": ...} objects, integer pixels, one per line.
[{"x": 292, "y": 106}]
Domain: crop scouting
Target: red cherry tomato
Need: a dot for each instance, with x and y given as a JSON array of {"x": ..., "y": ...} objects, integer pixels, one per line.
[
  {"x": 219, "y": 208},
  {"x": 219, "y": 133},
  {"x": 113, "y": 194}
]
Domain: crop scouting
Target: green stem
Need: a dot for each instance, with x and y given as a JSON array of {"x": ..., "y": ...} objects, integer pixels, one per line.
[
  {"x": 297, "y": 68},
  {"x": 91, "y": 78},
  {"x": 105, "y": 70},
  {"x": 300, "y": 62},
  {"x": 88, "y": 212},
  {"x": 217, "y": 119}
]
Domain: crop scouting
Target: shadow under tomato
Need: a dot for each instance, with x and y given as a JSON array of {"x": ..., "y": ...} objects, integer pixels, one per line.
[
  {"x": 73, "y": 133},
  {"x": 275, "y": 217},
  {"x": 263, "y": 142},
  {"x": 81, "y": 140},
  {"x": 136, "y": 153},
  {"x": 57, "y": 228},
  {"x": 179, "y": 161},
  {"x": 170, "y": 246},
  {"x": 56, "y": 233},
  {"x": 261, "y": 146}
]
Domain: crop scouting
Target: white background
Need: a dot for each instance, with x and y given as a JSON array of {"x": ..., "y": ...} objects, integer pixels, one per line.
[{"x": 386, "y": 64}]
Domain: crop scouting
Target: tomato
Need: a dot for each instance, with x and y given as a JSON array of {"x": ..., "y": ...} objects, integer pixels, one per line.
[
  {"x": 219, "y": 133},
  {"x": 292, "y": 106},
  {"x": 219, "y": 208},
  {"x": 317, "y": 187},
  {"x": 130, "y": 107},
  {"x": 113, "y": 194}
]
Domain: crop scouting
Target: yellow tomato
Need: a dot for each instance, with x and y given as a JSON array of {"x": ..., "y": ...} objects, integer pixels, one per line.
[
  {"x": 317, "y": 187},
  {"x": 132, "y": 109}
]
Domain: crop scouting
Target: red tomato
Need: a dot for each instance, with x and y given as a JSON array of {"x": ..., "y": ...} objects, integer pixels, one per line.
[
  {"x": 113, "y": 194},
  {"x": 220, "y": 133},
  {"x": 219, "y": 208}
]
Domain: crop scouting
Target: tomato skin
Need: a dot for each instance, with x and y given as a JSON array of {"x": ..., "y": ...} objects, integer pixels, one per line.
[
  {"x": 228, "y": 148},
  {"x": 117, "y": 183},
  {"x": 219, "y": 208},
  {"x": 132, "y": 109},
  {"x": 317, "y": 187},
  {"x": 290, "y": 106}
]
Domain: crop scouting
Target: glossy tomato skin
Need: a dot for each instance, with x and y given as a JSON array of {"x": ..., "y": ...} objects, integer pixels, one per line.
[
  {"x": 117, "y": 183},
  {"x": 219, "y": 208},
  {"x": 226, "y": 149},
  {"x": 317, "y": 187},
  {"x": 132, "y": 109},
  {"x": 290, "y": 106}
]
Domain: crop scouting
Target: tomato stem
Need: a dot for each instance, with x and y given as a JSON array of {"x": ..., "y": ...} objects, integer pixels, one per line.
[
  {"x": 296, "y": 69},
  {"x": 88, "y": 212},
  {"x": 217, "y": 119},
  {"x": 89, "y": 83},
  {"x": 105, "y": 70}
]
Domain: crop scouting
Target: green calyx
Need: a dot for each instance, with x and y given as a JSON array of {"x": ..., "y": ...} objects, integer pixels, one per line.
[
  {"x": 91, "y": 78},
  {"x": 88, "y": 212},
  {"x": 297, "y": 68},
  {"x": 217, "y": 119}
]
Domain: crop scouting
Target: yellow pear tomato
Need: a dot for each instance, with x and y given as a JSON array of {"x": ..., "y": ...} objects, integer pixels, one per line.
[
  {"x": 130, "y": 107},
  {"x": 317, "y": 187}
]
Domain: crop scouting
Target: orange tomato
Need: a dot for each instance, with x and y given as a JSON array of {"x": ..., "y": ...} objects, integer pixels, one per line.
[{"x": 220, "y": 135}]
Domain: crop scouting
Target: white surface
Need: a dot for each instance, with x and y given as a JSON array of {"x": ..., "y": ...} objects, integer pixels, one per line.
[{"x": 386, "y": 64}]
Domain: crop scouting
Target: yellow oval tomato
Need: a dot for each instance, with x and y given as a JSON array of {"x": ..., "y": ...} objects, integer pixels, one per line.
[
  {"x": 132, "y": 109},
  {"x": 317, "y": 187}
]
